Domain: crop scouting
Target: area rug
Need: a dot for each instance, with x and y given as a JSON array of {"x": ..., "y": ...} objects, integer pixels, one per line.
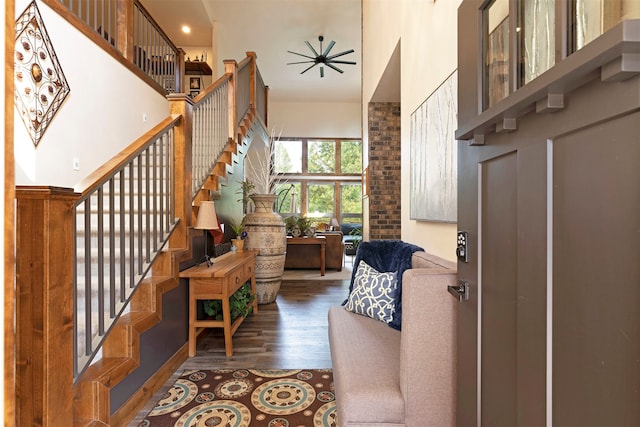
[{"x": 247, "y": 397}]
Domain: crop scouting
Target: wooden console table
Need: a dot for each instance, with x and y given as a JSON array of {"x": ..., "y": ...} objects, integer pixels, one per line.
[
  {"x": 219, "y": 282},
  {"x": 321, "y": 241}
]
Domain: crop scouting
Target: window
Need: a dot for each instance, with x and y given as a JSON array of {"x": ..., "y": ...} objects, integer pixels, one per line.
[
  {"x": 496, "y": 52},
  {"x": 351, "y": 203},
  {"x": 288, "y": 200},
  {"x": 537, "y": 41},
  {"x": 321, "y": 201},
  {"x": 351, "y": 157},
  {"x": 319, "y": 178},
  {"x": 322, "y": 156},
  {"x": 288, "y": 156},
  {"x": 591, "y": 18},
  {"x": 535, "y": 33}
]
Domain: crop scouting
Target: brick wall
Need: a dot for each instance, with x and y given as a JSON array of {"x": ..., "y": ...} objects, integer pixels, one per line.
[{"x": 384, "y": 170}]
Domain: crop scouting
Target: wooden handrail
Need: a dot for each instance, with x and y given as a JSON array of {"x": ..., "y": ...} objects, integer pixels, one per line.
[
  {"x": 246, "y": 61},
  {"x": 97, "y": 178}
]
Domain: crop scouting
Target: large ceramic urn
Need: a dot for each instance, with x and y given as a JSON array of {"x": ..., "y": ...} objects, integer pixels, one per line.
[{"x": 266, "y": 233}]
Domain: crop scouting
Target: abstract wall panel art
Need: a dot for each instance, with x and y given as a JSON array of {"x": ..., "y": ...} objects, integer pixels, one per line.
[
  {"x": 434, "y": 155},
  {"x": 40, "y": 85}
]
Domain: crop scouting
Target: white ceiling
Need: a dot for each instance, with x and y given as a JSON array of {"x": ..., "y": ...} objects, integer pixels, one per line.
[{"x": 271, "y": 28}]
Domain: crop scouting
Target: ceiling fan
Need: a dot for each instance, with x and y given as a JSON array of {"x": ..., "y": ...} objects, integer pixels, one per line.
[{"x": 322, "y": 58}]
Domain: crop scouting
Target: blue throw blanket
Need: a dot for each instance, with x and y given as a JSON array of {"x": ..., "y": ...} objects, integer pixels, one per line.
[{"x": 386, "y": 256}]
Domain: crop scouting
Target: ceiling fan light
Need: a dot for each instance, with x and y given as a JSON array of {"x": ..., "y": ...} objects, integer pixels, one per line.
[{"x": 322, "y": 57}]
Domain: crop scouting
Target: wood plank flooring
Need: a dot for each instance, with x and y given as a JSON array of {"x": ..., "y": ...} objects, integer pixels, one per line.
[{"x": 288, "y": 334}]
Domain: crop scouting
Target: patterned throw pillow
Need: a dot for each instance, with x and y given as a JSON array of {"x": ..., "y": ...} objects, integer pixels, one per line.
[{"x": 374, "y": 293}]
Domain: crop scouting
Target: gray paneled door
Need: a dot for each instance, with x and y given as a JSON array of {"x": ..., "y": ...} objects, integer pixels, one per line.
[
  {"x": 551, "y": 333},
  {"x": 549, "y": 194}
]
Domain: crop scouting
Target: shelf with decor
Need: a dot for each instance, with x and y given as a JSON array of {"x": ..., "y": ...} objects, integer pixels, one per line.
[{"x": 198, "y": 68}]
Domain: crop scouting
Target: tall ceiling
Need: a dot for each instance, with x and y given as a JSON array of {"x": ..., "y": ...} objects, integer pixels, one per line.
[{"x": 271, "y": 28}]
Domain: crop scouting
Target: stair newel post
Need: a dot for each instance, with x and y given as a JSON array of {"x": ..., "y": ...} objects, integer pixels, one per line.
[
  {"x": 44, "y": 305},
  {"x": 231, "y": 67},
  {"x": 181, "y": 104}
]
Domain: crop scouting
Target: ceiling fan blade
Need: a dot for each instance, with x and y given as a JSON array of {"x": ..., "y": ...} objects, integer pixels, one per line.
[
  {"x": 326, "y": 51},
  {"x": 342, "y": 62},
  {"x": 335, "y": 68},
  {"x": 307, "y": 69},
  {"x": 300, "y": 62},
  {"x": 321, "y": 71},
  {"x": 299, "y": 54},
  {"x": 311, "y": 47},
  {"x": 340, "y": 54}
]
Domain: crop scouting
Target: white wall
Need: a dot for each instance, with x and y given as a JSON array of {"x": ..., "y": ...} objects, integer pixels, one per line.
[
  {"x": 427, "y": 31},
  {"x": 102, "y": 114},
  {"x": 331, "y": 120}
]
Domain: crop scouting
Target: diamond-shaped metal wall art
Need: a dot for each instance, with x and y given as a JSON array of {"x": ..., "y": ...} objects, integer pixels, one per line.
[{"x": 40, "y": 85}]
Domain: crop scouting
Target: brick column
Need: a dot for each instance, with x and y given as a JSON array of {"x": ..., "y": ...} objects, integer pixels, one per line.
[{"x": 384, "y": 170}]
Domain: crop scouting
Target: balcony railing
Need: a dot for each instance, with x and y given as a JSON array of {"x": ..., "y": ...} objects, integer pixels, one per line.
[
  {"x": 154, "y": 53},
  {"x": 132, "y": 32}
]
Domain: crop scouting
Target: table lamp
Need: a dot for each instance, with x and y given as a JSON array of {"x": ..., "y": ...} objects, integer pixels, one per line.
[
  {"x": 334, "y": 224},
  {"x": 206, "y": 220}
]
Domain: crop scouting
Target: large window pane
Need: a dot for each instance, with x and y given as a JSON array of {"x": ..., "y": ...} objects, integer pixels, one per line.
[
  {"x": 320, "y": 200},
  {"x": 288, "y": 200},
  {"x": 351, "y": 156},
  {"x": 496, "y": 40},
  {"x": 594, "y": 17},
  {"x": 288, "y": 157},
  {"x": 322, "y": 156},
  {"x": 537, "y": 38},
  {"x": 351, "y": 203}
]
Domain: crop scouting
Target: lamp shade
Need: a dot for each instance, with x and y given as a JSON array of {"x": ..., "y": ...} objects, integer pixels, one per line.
[
  {"x": 207, "y": 218},
  {"x": 334, "y": 223}
]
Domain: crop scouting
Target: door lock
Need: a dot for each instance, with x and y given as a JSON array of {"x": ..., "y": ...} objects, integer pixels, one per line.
[{"x": 462, "y": 250}]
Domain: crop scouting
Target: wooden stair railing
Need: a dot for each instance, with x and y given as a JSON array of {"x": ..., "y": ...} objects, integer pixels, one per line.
[
  {"x": 126, "y": 31},
  {"x": 46, "y": 393}
]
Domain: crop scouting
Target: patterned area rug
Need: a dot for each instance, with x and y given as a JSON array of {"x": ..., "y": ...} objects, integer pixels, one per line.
[{"x": 247, "y": 397}]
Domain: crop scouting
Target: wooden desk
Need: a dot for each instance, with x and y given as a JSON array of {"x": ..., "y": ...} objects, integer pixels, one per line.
[
  {"x": 218, "y": 282},
  {"x": 321, "y": 241}
]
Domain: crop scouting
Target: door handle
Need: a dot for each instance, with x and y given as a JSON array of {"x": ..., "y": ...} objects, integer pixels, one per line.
[{"x": 461, "y": 291}]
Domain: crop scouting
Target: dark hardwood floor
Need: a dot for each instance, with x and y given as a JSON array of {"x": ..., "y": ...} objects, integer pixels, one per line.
[{"x": 288, "y": 334}]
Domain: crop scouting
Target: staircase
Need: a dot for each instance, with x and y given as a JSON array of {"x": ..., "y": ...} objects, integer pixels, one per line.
[
  {"x": 114, "y": 244},
  {"x": 121, "y": 346},
  {"x": 81, "y": 242}
]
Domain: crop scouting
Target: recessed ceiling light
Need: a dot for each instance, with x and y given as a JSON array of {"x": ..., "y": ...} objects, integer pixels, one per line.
[{"x": 186, "y": 29}]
